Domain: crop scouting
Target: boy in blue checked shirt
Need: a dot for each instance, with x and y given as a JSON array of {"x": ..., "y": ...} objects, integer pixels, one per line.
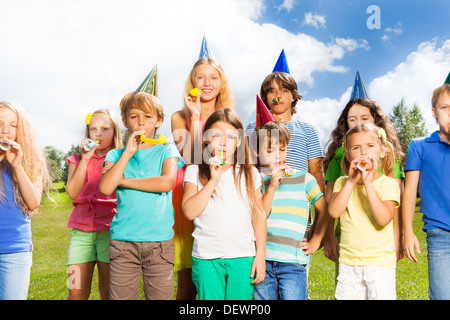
[{"x": 286, "y": 197}]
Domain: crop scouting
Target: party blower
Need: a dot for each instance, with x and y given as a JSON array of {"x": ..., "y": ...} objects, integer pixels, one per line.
[
  {"x": 90, "y": 145},
  {"x": 4, "y": 145}
]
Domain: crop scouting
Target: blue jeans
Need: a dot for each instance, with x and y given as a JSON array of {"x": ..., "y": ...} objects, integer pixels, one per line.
[
  {"x": 438, "y": 241},
  {"x": 15, "y": 275},
  {"x": 285, "y": 281}
]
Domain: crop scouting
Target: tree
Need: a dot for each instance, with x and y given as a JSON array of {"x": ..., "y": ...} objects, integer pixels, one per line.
[
  {"x": 65, "y": 168},
  {"x": 409, "y": 123},
  {"x": 54, "y": 160}
]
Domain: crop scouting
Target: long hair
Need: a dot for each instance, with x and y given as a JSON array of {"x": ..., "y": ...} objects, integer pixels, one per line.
[
  {"x": 241, "y": 156},
  {"x": 117, "y": 141},
  {"x": 387, "y": 162},
  {"x": 33, "y": 160},
  {"x": 380, "y": 120},
  {"x": 225, "y": 97}
]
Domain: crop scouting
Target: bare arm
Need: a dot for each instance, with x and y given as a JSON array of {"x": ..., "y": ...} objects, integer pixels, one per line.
[
  {"x": 408, "y": 210},
  {"x": 383, "y": 211},
  {"x": 260, "y": 230}
]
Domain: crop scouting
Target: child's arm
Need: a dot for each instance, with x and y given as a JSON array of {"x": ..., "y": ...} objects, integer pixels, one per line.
[
  {"x": 260, "y": 230},
  {"x": 31, "y": 193},
  {"x": 113, "y": 172},
  {"x": 340, "y": 199},
  {"x": 194, "y": 202},
  {"x": 163, "y": 183},
  {"x": 383, "y": 211},
  {"x": 77, "y": 173},
  {"x": 408, "y": 209},
  {"x": 275, "y": 180},
  {"x": 323, "y": 220}
]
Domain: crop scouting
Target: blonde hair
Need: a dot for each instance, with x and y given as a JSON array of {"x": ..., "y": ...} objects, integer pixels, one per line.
[
  {"x": 225, "y": 97},
  {"x": 117, "y": 141},
  {"x": 143, "y": 101},
  {"x": 387, "y": 162},
  {"x": 33, "y": 160}
]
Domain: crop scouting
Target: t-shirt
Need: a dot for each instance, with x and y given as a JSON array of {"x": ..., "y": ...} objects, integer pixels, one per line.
[
  {"x": 224, "y": 229},
  {"x": 431, "y": 156},
  {"x": 288, "y": 219},
  {"x": 335, "y": 170},
  {"x": 303, "y": 146},
  {"x": 15, "y": 227},
  {"x": 93, "y": 210},
  {"x": 363, "y": 241},
  {"x": 143, "y": 215}
]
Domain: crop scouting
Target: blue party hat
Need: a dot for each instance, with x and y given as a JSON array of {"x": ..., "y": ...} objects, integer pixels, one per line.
[
  {"x": 281, "y": 64},
  {"x": 205, "y": 50},
  {"x": 359, "y": 91}
]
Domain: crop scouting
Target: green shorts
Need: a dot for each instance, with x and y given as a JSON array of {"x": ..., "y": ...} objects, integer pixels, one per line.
[
  {"x": 223, "y": 279},
  {"x": 87, "y": 246}
]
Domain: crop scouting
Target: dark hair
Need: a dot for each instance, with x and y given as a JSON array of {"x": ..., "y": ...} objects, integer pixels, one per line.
[{"x": 284, "y": 80}]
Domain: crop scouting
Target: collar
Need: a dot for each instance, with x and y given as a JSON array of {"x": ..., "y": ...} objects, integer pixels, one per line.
[{"x": 434, "y": 137}]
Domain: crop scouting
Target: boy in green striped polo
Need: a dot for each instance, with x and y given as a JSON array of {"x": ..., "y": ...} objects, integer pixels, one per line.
[{"x": 287, "y": 195}]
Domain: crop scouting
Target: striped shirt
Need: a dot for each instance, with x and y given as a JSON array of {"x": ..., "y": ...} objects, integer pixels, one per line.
[
  {"x": 289, "y": 215},
  {"x": 304, "y": 144}
]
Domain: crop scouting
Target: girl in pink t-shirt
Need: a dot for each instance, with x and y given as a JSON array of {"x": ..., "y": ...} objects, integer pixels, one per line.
[{"x": 93, "y": 212}]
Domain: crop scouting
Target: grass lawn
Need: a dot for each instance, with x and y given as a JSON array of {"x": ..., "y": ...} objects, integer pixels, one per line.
[{"x": 51, "y": 239}]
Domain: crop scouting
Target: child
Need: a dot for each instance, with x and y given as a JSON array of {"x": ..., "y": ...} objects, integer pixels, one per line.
[
  {"x": 286, "y": 194},
  {"x": 23, "y": 177},
  {"x": 222, "y": 196},
  {"x": 93, "y": 212},
  {"x": 141, "y": 231},
  {"x": 304, "y": 151},
  {"x": 215, "y": 93},
  {"x": 427, "y": 166},
  {"x": 359, "y": 111},
  {"x": 365, "y": 201}
]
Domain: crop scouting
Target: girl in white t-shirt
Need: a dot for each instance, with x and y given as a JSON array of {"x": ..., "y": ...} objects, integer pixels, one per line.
[{"x": 222, "y": 195}]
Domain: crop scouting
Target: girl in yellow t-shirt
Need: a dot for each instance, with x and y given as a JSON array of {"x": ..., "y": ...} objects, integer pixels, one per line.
[{"x": 365, "y": 201}]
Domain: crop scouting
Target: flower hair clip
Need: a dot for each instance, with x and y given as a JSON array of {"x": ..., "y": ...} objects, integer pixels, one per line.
[{"x": 382, "y": 134}]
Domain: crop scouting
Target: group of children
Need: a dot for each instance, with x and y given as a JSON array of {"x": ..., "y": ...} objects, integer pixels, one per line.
[{"x": 230, "y": 208}]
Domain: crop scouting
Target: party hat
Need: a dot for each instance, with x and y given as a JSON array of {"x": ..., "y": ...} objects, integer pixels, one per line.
[
  {"x": 205, "y": 50},
  {"x": 263, "y": 114},
  {"x": 447, "y": 81},
  {"x": 150, "y": 83},
  {"x": 281, "y": 64},
  {"x": 359, "y": 91}
]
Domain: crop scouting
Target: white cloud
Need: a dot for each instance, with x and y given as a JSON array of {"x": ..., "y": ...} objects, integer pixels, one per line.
[
  {"x": 315, "y": 20},
  {"x": 67, "y": 58},
  {"x": 391, "y": 32},
  {"x": 287, "y": 5},
  {"x": 414, "y": 79}
]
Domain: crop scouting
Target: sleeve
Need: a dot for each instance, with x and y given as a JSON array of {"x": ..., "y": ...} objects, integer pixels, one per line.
[
  {"x": 256, "y": 178},
  {"x": 112, "y": 156},
  {"x": 312, "y": 188},
  {"x": 414, "y": 157},
  {"x": 334, "y": 170},
  {"x": 398, "y": 172},
  {"x": 191, "y": 174},
  {"x": 339, "y": 184},
  {"x": 172, "y": 152},
  {"x": 74, "y": 159},
  {"x": 389, "y": 190},
  {"x": 314, "y": 145}
]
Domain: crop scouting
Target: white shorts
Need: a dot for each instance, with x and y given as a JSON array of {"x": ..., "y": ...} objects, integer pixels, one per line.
[{"x": 365, "y": 283}]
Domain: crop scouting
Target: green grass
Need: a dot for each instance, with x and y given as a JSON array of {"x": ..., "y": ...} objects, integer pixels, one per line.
[{"x": 51, "y": 240}]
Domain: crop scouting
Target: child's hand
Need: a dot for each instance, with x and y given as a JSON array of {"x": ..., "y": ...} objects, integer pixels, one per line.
[
  {"x": 277, "y": 175},
  {"x": 87, "y": 154},
  {"x": 258, "y": 268},
  {"x": 311, "y": 246},
  {"x": 193, "y": 104},
  {"x": 14, "y": 154},
  {"x": 354, "y": 174},
  {"x": 134, "y": 142},
  {"x": 215, "y": 168},
  {"x": 367, "y": 176}
]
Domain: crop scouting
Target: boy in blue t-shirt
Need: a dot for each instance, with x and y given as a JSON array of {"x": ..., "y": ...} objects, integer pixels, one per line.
[
  {"x": 428, "y": 166},
  {"x": 286, "y": 197},
  {"x": 141, "y": 231}
]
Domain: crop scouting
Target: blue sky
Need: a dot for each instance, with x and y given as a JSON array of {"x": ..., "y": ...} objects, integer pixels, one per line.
[{"x": 62, "y": 59}]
